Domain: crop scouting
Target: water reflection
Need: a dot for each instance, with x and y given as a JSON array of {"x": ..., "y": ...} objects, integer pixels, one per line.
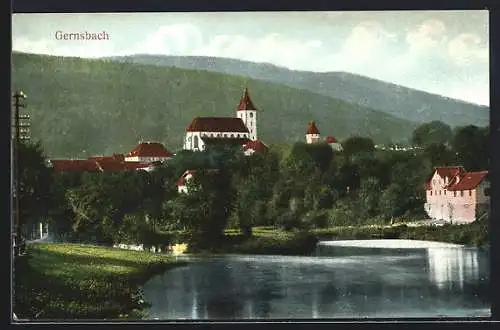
[{"x": 405, "y": 283}]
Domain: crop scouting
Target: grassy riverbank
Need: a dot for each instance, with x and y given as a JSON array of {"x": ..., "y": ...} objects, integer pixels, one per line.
[
  {"x": 475, "y": 234},
  {"x": 266, "y": 240},
  {"x": 71, "y": 281}
]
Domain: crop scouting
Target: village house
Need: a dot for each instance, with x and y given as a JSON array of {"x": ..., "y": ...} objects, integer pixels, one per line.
[
  {"x": 313, "y": 136},
  {"x": 142, "y": 157},
  {"x": 182, "y": 183},
  {"x": 240, "y": 130},
  {"x": 254, "y": 146},
  {"x": 148, "y": 152},
  {"x": 456, "y": 196},
  {"x": 332, "y": 142}
]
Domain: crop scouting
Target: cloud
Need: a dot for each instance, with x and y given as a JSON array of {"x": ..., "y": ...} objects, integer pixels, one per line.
[
  {"x": 367, "y": 46},
  {"x": 426, "y": 36},
  {"x": 466, "y": 49},
  {"x": 176, "y": 39}
]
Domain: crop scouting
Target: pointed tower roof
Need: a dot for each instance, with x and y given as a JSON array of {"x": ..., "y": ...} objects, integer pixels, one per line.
[
  {"x": 312, "y": 129},
  {"x": 245, "y": 102}
]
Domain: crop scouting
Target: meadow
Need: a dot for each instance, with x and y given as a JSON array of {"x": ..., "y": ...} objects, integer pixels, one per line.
[{"x": 74, "y": 281}]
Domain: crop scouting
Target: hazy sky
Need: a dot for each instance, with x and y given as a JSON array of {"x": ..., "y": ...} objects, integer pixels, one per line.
[{"x": 445, "y": 52}]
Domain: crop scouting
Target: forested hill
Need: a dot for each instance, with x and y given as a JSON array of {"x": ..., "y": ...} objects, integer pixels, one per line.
[
  {"x": 399, "y": 101},
  {"x": 82, "y": 107}
]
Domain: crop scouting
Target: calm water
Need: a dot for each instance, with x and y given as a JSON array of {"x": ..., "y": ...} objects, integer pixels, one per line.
[{"x": 338, "y": 282}]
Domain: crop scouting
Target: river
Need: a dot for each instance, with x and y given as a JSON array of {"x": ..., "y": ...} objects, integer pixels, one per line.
[{"x": 343, "y": 279}]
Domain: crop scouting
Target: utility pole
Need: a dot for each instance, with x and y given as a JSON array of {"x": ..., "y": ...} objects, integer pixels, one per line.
[{"x": 21, "y": 132}]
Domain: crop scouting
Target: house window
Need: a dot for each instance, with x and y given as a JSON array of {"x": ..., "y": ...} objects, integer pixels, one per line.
[
  {"x": 195, "y": 142},
  {"x": 454, "y": 194},
  {"x": 445, "y": 192},
  {"x": 431, "y": 192},
  {"x": 486, "y": 191},
  {"x": 440, "y": 193},
  {"x": 470, "y": 192},
  {"x": 461, "y": 193},
  {"x": 251, "y": 114},
  {"x": 232, "y": 135}
]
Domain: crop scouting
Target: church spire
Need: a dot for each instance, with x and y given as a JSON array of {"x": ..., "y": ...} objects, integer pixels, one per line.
[{"x": 245, "y": 102}]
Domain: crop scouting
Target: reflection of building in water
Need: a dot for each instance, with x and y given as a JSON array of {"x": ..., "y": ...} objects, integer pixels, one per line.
[
  {"x": 315, "y": 297},
  {"x": 194, "y": 306},
  {"x": 452, "y": 265}
]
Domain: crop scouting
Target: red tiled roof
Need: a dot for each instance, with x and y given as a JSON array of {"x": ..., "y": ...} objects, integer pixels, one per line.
[
  {"x": 74, "y": 165},
  {"x": 256, "y": 145},
  {"x": 217, "y": 124},
  {"x": 445, "y": 172},
  {"x": 149, "y": 149},
  {"x": 468, "y": 181},
  {"x": 245, "y": 102},
  {"x": 449, "y": 172},
  {"x": 115, "y": 157},
  {"x": 312, "y": 129},
  {"x": 331, "y": 139},
  {"x": 458, "y": 178},
  {"x": 104, "y": 164}
]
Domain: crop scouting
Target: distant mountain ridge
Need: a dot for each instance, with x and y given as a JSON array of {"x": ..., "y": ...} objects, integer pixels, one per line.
[
  {"x": 81, "y": 107},
  {"x": 395, "y": 100}
]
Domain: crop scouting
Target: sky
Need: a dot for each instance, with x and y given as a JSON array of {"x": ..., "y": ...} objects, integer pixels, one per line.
[{"x": 441, "y": 52}]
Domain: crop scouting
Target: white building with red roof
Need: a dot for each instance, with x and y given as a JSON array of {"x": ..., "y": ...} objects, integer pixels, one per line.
[
  {"x": 148, "y": 152},
  {"x": 332, "y": 142},
  {"x": 312, "y": 133},
  {"x": 456, "y": 196},
  {"x": 237, "y": 130},
  {"x": 255, "y": 146}
]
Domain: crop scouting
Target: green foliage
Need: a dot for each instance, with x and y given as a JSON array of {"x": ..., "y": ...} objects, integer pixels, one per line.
[
  {"x": 434, "y": 132},
  {"x": 106, "y": 282},
  {"x": 472, "y": 147},
  {"x": 101, "y": 107},
  {"x": 358, "y": 145},
  {"x": 440, "y": 155},
  {"x": 35, "y": 178}
]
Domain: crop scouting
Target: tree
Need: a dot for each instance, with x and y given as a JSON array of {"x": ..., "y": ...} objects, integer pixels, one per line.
[
  {"x": 35, "y": 182},
  {"x": 204, "y": 211},
  {"x": 432, "y": 132},
  {"x": 369, "y": 196},
  {"x": 471, "y": 145},
  {"x": 439, "y": 154},
  {"x": 392, "y": 201},
  {"x": 358, "y": 145}
]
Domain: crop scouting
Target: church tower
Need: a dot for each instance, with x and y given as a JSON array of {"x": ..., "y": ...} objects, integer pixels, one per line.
[
  {"x": 248, "y": 113},
  {"x": 312, "y": 134}
]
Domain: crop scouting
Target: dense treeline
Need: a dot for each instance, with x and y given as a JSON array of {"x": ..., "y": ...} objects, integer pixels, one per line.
[{"x": 297, "y": 187}]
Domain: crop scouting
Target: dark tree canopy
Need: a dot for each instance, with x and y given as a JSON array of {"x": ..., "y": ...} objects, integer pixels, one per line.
[
  {"x": 432, "y": 132},
  {"x": 358, "y": 145},
  {"x": 472, "y": 147}
]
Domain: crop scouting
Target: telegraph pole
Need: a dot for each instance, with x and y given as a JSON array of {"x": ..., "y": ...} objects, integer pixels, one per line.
[{"x": 21, "y": 132}]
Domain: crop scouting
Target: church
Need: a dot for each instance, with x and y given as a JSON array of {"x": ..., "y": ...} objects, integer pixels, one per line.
[{"x": 240, "y": 130}]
